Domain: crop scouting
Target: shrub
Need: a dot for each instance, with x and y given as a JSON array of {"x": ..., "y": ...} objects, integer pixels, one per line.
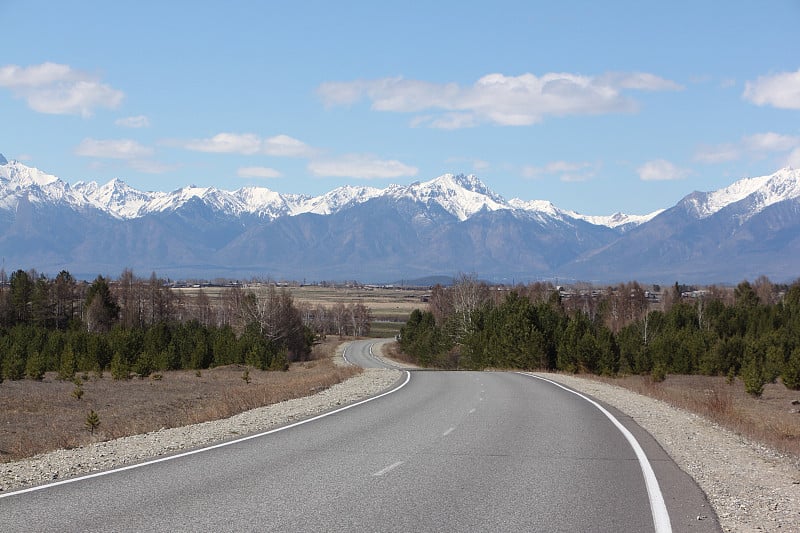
[
  {"x": 77, "y": 392},
  {"x": 754, "y": 378},
  {"x": 36, "y": 366},
  {"x": 119, "y": 367},
  {"x": 659, "y": 372},
  {"x": 791, "y": 371},
  {"x": 92, "y": 421}
]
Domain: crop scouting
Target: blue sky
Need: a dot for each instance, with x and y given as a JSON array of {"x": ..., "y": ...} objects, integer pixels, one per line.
[{"x": 596, "y": 106}]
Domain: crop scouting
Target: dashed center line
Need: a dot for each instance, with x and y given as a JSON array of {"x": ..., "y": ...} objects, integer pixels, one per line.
[
  {"x": 446, "y": 433},
  {"x": 388, "y": 468}
]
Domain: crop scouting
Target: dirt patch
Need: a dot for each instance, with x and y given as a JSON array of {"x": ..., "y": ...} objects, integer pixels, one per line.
[{"x": 38, "y": 416}]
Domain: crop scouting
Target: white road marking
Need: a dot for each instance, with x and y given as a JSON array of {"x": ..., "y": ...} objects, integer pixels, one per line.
[
  {"x": 471, "y": 411},
  {"x": 344, "y": 354},
  {"x": 658, "y": 508},
  {"x": 388, "y": 468},
  {"x": 215, "y": 446},
  {"x": 446, "y": 433}
]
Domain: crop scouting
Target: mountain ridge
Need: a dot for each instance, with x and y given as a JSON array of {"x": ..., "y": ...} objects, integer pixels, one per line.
[
  {"x": 461, "y": 195},
  {"x": 450, "y": 224}
]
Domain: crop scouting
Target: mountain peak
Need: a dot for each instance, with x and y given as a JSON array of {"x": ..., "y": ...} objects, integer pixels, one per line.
[
  {"x": 758, "y": 193},
  {"x": 3, "y": 160},
  {"x": 461, "y": 196}
]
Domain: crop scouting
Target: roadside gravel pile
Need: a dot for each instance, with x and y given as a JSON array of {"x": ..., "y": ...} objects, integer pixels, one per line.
[
  {"x": 751, "y": 487},
  {"x": 103, "y": 455}
]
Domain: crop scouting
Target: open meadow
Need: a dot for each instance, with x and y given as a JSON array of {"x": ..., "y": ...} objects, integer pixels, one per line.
[{"x": 39, "y": 416}]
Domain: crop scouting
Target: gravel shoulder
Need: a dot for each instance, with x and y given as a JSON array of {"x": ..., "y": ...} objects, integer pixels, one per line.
[{"x": 751, "y": 487}]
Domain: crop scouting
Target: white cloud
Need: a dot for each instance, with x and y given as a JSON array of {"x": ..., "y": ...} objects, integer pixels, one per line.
[
  {"x": 496, "y": 98},
  {"x": 361, "y": 166},
  {"x": 446, "y": 121},
  {"x": 793, "y": 160},
  {"x": 112, "y": 149},
  {"x": 780, "y": 90},
  {"x": 58, "y": 89},
  {"x": 249, "y": 144},
  {"x": 258, "y": 172},
  {"x": 227, "y": 143},
  {"x": 285, "y": 146},
  {"x": 754, "y": 146},
  {"x": 661, "y": 170},
  {"x": 566, "y": 171},
  {"x": 641, "y": 81},
  {"x": 770, "y": 142},
  {"x": 139, "y": 121},
  {"x": 480, "y": 164}
]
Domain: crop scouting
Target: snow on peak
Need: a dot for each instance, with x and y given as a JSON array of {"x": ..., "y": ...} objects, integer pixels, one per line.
[
  {"x": 462, "y": 196},
  {"x": 116, "y": 197},
  {"x": 20, "y": 175},
  {"x": 761, "y": 192},
  {"x": 537, "y": 206},
  {"x": 337, "y": 199},
  {"x": 617, "y": 219},
  {"x": 3, "y": 160}
]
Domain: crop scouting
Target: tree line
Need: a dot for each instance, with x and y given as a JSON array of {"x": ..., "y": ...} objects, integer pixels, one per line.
[
  {"x": 751, "y": 332},
  {"x": 132, "y": 325}
]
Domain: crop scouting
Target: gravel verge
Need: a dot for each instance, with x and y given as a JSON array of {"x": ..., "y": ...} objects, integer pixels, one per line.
[{"x": 751, "y": 487}]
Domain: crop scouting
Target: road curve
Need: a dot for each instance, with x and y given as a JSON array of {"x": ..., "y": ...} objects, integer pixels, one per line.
[
  {"x": 449, "y": 451},
  {"x": 367, "y": 354}
]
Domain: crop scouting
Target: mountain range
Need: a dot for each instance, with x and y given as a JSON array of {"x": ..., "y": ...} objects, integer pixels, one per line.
[{"x": 448, "y": 225}]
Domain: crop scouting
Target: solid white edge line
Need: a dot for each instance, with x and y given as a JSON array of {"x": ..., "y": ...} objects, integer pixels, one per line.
[
  {"x": 658, "y": 508},
  {"x": 344, "y": 353},
  {"x": 212, "y": 447}
]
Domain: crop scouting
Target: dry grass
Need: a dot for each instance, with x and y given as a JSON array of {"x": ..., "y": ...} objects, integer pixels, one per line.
[
  {"x": 38, "y": 416},
  {"x": 772, "y": 419}
]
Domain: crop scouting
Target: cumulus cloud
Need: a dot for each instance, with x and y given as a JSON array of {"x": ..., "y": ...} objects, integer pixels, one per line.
[
  {"x": 59, "y": 89},
  {"x": 497, "y": 98},
  {"x": 661, "y": 170},
  {"x": 755, "y": 146},
  {"x": 362, "y": 166},
  {"x": 112, "y": 149},
  {"x": 249, "y": 144},
  {"x": 258, "y": 172},
  {"x": 227, "y": 143},
  {"x": 285, "y": 146},
  {"x": 780, "y": 90},
  {"x": 566, "y": 171},
  {"x": 770, "y": 142},
  {"x": 139, "y": 121}
]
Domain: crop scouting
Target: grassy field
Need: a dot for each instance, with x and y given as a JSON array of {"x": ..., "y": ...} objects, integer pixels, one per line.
[{"x": 38, "y": 416}]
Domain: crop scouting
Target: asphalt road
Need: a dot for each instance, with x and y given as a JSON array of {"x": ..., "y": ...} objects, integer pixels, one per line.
[{"x": 448, "y": 451}]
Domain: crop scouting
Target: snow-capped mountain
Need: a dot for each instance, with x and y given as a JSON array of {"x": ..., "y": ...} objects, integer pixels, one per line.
[
  {"x": 449, "y": 224},
  {"x": 461, "y": 196},
  {"x": 754, "y": 194}
]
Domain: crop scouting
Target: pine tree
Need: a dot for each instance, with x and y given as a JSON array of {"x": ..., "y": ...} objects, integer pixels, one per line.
[{"x": 92, "y": 421}]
